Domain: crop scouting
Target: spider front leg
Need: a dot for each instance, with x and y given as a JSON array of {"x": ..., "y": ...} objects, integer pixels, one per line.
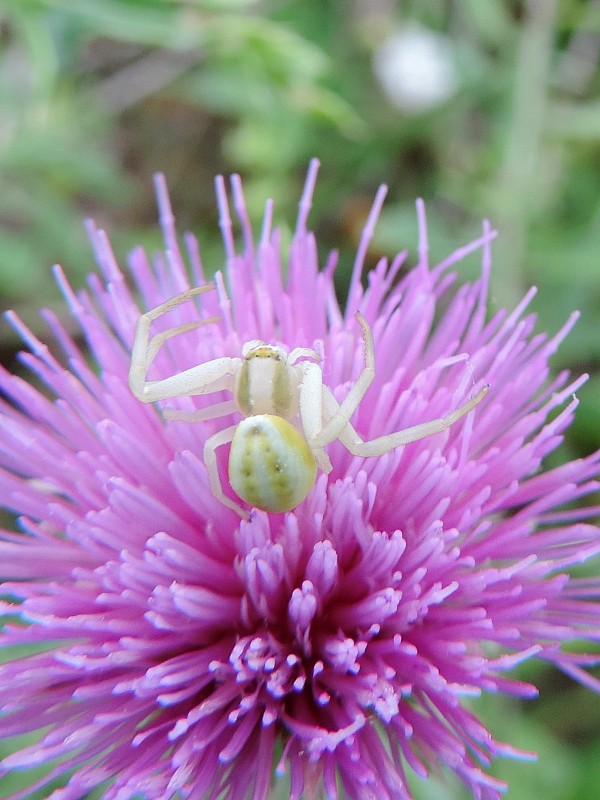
[
  {"x": 205, "y": 378},
  {"x": 336, "y": 421},
  {"x": 337, "y": 416},
  {"x": 310, "y": 402},
  {"x": 334, "y": 426}
]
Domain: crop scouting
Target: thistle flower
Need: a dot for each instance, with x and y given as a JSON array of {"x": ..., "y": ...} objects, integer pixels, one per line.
[{"x": 176, "y": 651}]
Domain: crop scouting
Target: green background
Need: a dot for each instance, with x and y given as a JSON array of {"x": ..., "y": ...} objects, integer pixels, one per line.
[{"x": 96, "y": 95}]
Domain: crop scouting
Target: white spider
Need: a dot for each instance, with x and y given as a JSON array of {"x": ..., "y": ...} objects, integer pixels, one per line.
[{"x": 290, "y": 415}]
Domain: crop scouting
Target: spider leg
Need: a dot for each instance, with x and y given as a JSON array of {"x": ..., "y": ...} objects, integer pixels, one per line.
[
  {"x": 177, "y": 300},
  {"x": 213, "y": 411},
  {"x": 144, "y": 348},
  {"x": 337, "y": 421},
  {"x": 310, "y": 401},
  {"x": 213, "y": 376},
  {"x": 157, "y": 341},
  {"x": 210, "y": 460},
  {"x": 383, "y": 444},
  {"x": 205, "y": 378},
  {"x": 302, "y": 352}
]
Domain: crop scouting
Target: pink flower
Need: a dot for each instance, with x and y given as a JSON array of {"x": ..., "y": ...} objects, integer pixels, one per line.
[{"x": 177, "y": 651}]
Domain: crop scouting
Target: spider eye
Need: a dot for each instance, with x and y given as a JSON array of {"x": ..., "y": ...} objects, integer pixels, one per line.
[{"x": 265, "y": 351}]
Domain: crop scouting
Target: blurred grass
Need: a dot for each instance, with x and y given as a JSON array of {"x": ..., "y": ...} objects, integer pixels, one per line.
[{"x": 96, "y": 95}]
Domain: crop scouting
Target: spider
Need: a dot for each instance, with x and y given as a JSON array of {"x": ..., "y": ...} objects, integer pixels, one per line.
[{"x": 289, "y": 414}]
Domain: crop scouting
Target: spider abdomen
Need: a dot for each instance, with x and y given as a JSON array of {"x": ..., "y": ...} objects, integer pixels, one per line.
[{"x": 271, "y": 465}]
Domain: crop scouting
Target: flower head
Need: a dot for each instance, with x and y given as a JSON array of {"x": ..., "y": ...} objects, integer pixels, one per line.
[{"x": 174, "y": 650}]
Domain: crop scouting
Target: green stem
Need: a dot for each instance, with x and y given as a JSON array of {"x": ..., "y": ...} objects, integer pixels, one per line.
[{"x": 518, "y": 178}]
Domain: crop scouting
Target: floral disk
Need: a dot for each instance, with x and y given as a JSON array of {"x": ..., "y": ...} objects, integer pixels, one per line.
[{"x": 168, "y": 649}]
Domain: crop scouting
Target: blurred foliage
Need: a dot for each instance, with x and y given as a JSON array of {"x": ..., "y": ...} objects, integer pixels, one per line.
[{"x": 96, "y": 95}]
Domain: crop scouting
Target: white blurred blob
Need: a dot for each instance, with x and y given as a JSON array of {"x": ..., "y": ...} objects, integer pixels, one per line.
[{"x": 416, "y": 69}]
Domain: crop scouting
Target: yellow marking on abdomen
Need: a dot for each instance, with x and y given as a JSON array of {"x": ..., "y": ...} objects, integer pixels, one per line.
[{"x": 270, "y": 463}]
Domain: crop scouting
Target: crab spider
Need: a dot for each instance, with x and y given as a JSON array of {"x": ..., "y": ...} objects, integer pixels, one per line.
[{"x": 289, "y": 414}]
